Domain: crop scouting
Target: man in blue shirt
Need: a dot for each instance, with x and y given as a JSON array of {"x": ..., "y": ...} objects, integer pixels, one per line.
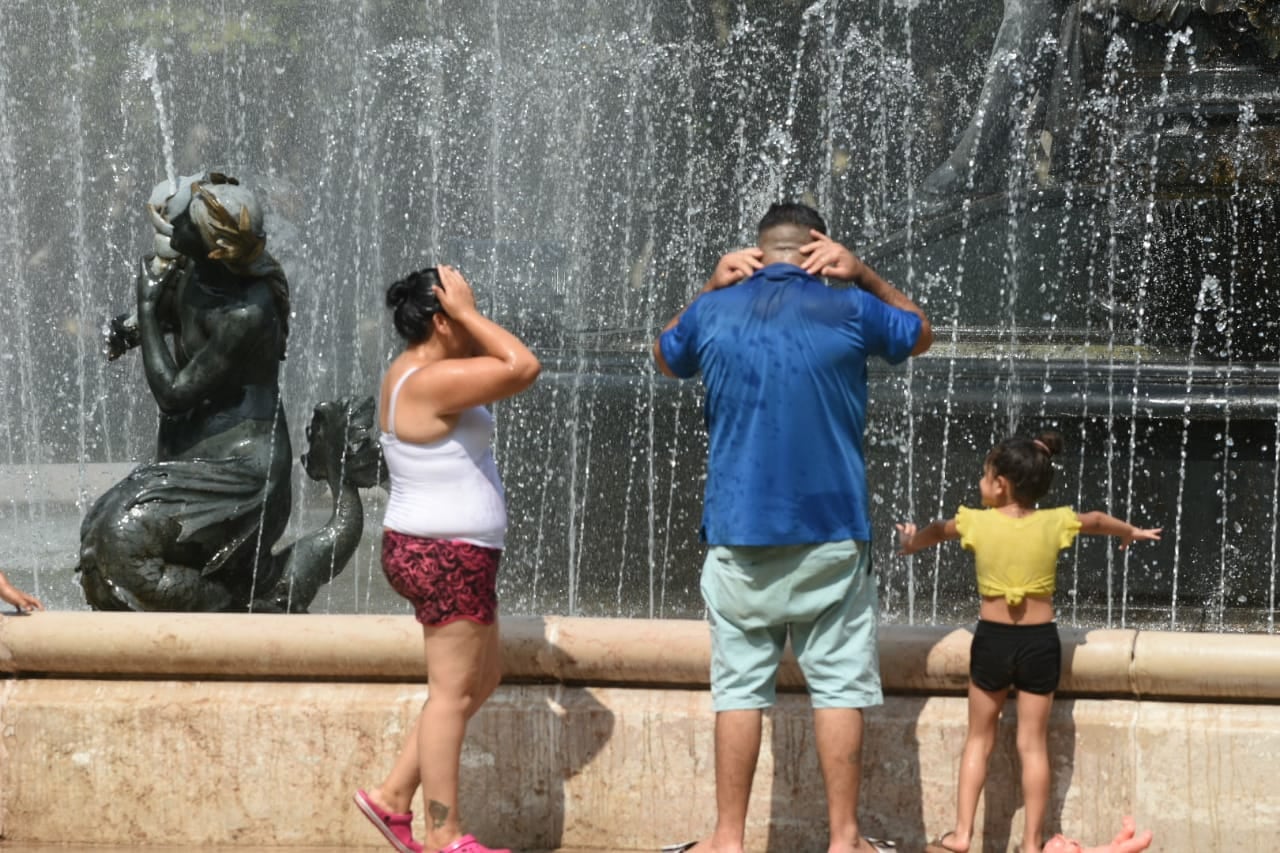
[{"x": 783, "y": 359}]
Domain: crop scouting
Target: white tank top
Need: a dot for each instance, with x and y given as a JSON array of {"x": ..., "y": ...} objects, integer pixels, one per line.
[{"x": 446, "y": 489}]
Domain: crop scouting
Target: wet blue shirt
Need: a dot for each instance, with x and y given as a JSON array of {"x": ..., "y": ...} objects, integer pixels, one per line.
[{"x": 783, "y": 358}]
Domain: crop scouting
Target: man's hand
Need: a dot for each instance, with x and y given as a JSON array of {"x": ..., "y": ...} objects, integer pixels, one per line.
[
  {"x": 826, "y": 257},
  {"x": 734, "y": 267}
]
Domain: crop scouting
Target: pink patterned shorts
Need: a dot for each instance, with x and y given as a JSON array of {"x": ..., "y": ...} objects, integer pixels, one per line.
[{"x": 443, "y": 579}]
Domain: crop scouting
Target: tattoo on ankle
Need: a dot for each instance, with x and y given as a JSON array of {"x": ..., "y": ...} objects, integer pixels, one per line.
[{"x": 439, "y": 813}]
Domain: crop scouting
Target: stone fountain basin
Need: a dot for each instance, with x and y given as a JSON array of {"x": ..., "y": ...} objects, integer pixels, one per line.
[{"x": 253, "y": 730}]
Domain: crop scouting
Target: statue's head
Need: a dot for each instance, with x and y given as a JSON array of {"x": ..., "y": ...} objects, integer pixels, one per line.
[
  {"x": 342, "y": 441},
  {"x": 207, "y": 216},
  {"x": 166, "y": 202}
]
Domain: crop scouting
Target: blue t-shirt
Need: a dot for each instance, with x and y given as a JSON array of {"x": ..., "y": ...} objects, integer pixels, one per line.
[{"x": 784, "y": 361}]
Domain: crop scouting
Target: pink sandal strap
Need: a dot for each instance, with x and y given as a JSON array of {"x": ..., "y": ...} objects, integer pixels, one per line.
[{"x": 468, "y": 844}]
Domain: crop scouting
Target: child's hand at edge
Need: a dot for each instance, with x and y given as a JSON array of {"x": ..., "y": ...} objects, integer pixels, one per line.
[
  {"x": 1137, "y": 534},
  {"x": 17, "y": 597},
  {"x": 906, "y": 533}
]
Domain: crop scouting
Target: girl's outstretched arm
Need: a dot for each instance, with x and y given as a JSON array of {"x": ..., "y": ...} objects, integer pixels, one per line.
[
  {"x": 1105, "y": 525},
  {"x": 911, "y": 540}
]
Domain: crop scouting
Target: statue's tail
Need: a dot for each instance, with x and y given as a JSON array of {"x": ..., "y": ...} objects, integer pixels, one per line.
[
  {"x": 343, "y": 451},
  {"x": 98, "y": 591}
]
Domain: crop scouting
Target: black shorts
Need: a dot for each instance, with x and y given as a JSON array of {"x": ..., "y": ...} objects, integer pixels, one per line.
[{"x": 1028, "y": 657}]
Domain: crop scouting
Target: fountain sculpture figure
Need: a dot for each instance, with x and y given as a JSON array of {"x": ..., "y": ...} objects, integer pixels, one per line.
[{"x": 194, "y": 529}]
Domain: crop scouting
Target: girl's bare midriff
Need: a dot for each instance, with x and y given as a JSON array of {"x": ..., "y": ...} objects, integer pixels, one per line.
[{"x": 1032, "y": 610}]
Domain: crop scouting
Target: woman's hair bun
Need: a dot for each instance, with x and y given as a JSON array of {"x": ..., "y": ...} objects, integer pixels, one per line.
[
  {"x": 413, "y": 302},
  {"x": 398, "y": 292}
]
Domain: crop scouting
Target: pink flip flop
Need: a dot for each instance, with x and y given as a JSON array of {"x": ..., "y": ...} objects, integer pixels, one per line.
[
  {"x": 396, "y": 828},
  {"x": 468, "y": 844}
]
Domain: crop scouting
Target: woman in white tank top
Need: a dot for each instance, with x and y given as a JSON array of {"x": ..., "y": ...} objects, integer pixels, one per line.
[{"x": 443, "y": 533}]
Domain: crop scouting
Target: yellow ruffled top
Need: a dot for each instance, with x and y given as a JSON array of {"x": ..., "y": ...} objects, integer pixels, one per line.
[{"x": 1016, "y": 557}]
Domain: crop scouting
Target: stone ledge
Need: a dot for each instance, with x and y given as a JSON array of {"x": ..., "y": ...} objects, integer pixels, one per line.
[
  {"x": 568, "y": 650},
  {"x": 260, "y": 765}
]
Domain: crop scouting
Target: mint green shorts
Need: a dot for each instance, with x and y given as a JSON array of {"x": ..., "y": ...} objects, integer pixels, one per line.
[{"x": 822, "y": 595}]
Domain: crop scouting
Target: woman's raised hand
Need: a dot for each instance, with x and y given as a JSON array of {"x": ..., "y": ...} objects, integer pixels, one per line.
[{"x": 454, "y": 293}]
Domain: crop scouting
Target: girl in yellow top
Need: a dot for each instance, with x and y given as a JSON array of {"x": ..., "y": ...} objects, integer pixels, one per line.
[{"x": 1015, "y": 548}]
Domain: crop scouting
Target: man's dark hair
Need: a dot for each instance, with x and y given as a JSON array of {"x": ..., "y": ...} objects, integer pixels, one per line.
[{"x": 791, "y": 213}]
